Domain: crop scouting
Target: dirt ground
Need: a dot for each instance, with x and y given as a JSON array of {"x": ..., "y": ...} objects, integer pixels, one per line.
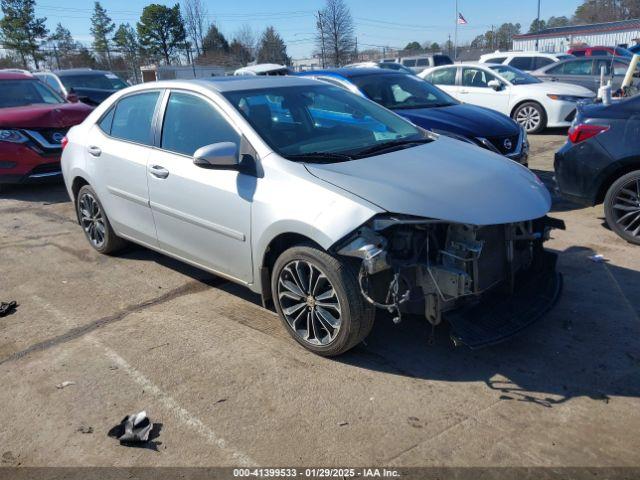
[{"x": 229, "y": 387}]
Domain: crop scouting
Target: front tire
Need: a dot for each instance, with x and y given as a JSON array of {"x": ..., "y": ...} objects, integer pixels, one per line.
[
  {"x": 95, "y": 224},
  {"x": 319, "y": 301},
  {"x": 531, "y": 116},
  {"x": 622, "y": 207}
]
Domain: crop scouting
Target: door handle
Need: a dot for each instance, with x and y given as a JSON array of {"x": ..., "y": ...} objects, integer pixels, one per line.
[
  {"x": 95, "y": 151},
  {"x": 158, "y": 171},
  {"x": 464, "y": 91}
]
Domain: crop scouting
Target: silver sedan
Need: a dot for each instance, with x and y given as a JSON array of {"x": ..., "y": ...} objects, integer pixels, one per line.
[{"x": 325, "y": 203}]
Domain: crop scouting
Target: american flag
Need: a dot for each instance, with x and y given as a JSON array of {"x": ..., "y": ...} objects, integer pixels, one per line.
[{"x": 461, "y": 19}]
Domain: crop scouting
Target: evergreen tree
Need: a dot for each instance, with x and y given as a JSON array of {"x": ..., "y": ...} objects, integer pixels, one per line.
[{"x": 21, "y": 30}]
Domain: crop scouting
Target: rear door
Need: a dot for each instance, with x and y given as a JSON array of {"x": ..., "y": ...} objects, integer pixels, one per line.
[
  {"x": 202, "y": 215},
  {"x": 445, "y": 78},
  {"x": 118, "y": 148}
]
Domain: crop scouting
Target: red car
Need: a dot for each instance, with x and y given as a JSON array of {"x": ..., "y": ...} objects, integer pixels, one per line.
[
  {"x": 600, "y": 52},
  {"x": 33, "y": 121}
]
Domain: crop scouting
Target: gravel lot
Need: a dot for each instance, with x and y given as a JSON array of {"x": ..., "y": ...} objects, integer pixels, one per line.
[{"x": 141, "y": 331}]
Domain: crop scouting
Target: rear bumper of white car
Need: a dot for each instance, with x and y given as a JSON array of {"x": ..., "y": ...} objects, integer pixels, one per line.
[{"x": 560, "y": 113}]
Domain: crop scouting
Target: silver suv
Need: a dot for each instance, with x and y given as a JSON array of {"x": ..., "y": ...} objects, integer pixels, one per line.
[{"x": 325, "y": 203}]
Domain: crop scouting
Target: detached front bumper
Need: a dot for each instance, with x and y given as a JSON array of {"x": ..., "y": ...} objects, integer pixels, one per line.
[
  {"x": 499, "y": 317},
  {"x": 20, "y": 163}
]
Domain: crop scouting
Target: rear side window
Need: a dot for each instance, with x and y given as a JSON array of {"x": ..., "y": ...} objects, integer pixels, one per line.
[
  {"x": 495, "y": 60},
  {"x": 540, "y": 62},
  {"x": 523, "y": 63},
  {"x": 446, "y": 76},
  {"x": 133, "y": 116},
  {"x": 442, "y": 60},
  {"x": 191, "y": 122},
  {"x": 422, "y": 62},
  {"x": 409, "y": 63},
  {"x": 107, "y": 120},
  {"x": 579, "y": 53},
  {"x": 599, "y": 53},
  {"x": 578, "y": 68}
]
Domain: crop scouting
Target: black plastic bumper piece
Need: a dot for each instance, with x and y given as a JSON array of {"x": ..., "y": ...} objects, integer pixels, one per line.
[{"x": 500, "y": 316}]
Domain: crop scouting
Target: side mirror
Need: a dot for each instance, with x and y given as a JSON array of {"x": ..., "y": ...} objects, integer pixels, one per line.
[
  {"x": 495, "y": 84},
  {"x": 73, "y": 97},
  {"x": 222, "y": 156}
]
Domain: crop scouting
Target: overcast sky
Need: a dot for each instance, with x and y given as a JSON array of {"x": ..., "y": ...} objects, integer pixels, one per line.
[{"x": 378, "y": 23}]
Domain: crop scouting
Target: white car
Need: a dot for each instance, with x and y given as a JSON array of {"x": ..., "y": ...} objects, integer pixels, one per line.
[
  {"x": 526, "y": 61},
  {"x": 532, "y": 103}
]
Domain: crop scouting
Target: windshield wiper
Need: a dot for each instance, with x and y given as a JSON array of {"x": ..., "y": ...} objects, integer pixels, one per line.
[
  {"x": 320, "y": 157},
  {"x": 390, "y": 145}
]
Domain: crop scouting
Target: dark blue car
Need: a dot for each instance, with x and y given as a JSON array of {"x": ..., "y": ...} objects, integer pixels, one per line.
[{"x": 432, "y": 109}]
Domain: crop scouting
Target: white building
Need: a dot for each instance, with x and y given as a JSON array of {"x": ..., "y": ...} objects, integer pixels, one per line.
[
  {"x": 624, "y": 33},
  {"x": 303, "y": 64},
  {"x": 152, "y": 73}
]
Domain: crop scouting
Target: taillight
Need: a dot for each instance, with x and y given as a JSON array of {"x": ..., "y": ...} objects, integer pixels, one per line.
[
  {"x": 64, "y": 142},
  {"x": 580, "y": 133}
]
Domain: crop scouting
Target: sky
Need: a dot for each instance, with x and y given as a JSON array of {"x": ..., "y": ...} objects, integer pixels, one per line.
[{"x": 378, "y": 23}]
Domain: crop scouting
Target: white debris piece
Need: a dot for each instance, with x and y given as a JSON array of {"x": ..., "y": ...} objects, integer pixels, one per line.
[{"x": 65, "y": 384}]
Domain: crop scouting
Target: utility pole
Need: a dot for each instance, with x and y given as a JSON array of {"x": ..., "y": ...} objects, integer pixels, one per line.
[
  {"x": 322, "y": 48},
  {"x": 493, "y": 36},
  {"x": 538, "y": 27},
  {"x": 449, "y": 45},
  {"x": 356, "y": 51}
]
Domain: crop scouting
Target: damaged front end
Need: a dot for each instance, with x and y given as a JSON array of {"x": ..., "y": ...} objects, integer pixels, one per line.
[{"x": 488, "y": 282}]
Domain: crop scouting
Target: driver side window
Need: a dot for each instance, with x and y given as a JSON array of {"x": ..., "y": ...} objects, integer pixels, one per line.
[
  {"x": 475, "y": 77},
  {"x": 191, "y": 122}
]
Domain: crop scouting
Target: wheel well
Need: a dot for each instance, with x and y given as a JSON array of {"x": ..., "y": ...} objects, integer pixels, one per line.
[
  {"x": 77, "y": 184},
  {"x": 276, "y": 247},
  {"x": 517, "y": 105},
  {"x": 602, "y": 192}
]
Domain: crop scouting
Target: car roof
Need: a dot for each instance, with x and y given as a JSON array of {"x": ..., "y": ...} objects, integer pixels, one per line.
[
  {"x": 352, "y": 72},
  {"x": 14, "y": 76},
  {"x": 79, "y": 71},
  {"x": 520, "y": 53},
  {"x": 248, "y": 82}
]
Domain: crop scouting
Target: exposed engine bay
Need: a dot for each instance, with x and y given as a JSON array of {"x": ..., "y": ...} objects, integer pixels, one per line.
[{"x": 429, "y": 267}]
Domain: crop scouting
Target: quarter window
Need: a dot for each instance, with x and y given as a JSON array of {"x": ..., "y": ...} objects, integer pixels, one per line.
[
  {"x": 133, "y": 117},
  {"x": 578, "y": 68},
  {"x": 495, "y": 60},
  {"x": 107, "y": 120},
  {"x": 191, "y": 122},
  {"x": 540, "y": 62}
]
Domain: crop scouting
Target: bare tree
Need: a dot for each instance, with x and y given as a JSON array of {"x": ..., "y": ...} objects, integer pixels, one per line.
[
  {"x": 336, "y": 32},
  {"x": 196, "y": 23},
  {"x": 246, "y": 37}
]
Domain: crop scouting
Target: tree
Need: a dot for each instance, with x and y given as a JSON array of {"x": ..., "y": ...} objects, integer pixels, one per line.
[
  {"x": 246, "y": 37},
  {"x": 555, "y": 22},
  {"x": 67, "y": 53},
  {"x": 272, "y": 48},
  {"x": 336, "y": 32},
  {"x": 596, "y": 11},
  {"x": 537, "y": 25},
  {"x": 239, "y": 53},
  {"x": 435, "y": 46},
  {"x": 161, "y": 30},
  {"x": 126, "y": 39},
  {"x": 504, "y": 35},
  {"x": 21, "y": 30},
  {"x": 448, "y": 47},
  {"x": 101, "y": 28},
  {"x": 413, "y": 46},
  {"x": 214, "y": 41},
  {"x": 195, "y": 14}
]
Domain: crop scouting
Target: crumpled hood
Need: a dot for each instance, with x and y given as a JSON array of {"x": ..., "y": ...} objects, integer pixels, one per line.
[
  {"x": 447, "y": 180},
  {"x": 44, "y": 115},
  {"x": 463, "y": 119}
]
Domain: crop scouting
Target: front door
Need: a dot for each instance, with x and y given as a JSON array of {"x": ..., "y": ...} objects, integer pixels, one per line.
[
  {"x": 475, "y": 89},
  {"x": 202, "y": 215}
]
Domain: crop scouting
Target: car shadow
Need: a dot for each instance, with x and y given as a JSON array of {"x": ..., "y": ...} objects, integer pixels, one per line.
[
  {"x": 44, "y": 193},
  {"x": 585, "y": 347},
  {"x": 559, "y": 203}
]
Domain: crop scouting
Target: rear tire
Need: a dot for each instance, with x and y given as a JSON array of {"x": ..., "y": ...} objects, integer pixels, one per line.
[
  {"x": 531, "y": 116},
  {"x": 622, "y": 207},
  {"x": 319, "y": 301},
  {"x": 95, "y": 224}
]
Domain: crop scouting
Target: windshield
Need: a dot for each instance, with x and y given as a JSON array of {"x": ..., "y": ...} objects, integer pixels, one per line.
[
  {"x": 398, "y": 92},
  {"x": 19, "y": 93},
  {"x": 513, "y": 75},
  {"x": 321, "y": 121},
  {"x": 102, "y": 81},
  {"x": 395, "y": 66}
]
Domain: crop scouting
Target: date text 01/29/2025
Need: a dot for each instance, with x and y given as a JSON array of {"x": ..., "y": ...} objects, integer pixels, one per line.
[{"x": 316, "y": 473}]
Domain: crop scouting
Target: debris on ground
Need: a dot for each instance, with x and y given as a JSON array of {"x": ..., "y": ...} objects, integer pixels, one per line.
[
  {"x": 7, "y": 308},
  {"x": 65, "y": 384},
  {"x": 85, "y": 429},
  {"x": 598, "y": 258},
  {"x": 137, "y": 431},
  {"x": 343, "y": 424}
]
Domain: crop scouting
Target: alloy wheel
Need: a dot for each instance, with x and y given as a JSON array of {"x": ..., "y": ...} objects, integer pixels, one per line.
[
  {"x": 626, "y": 208},
  {"x": 529, "y": 117},
  {"x": 92, "y": 220},
  {"x": 309, "y": 302}
]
